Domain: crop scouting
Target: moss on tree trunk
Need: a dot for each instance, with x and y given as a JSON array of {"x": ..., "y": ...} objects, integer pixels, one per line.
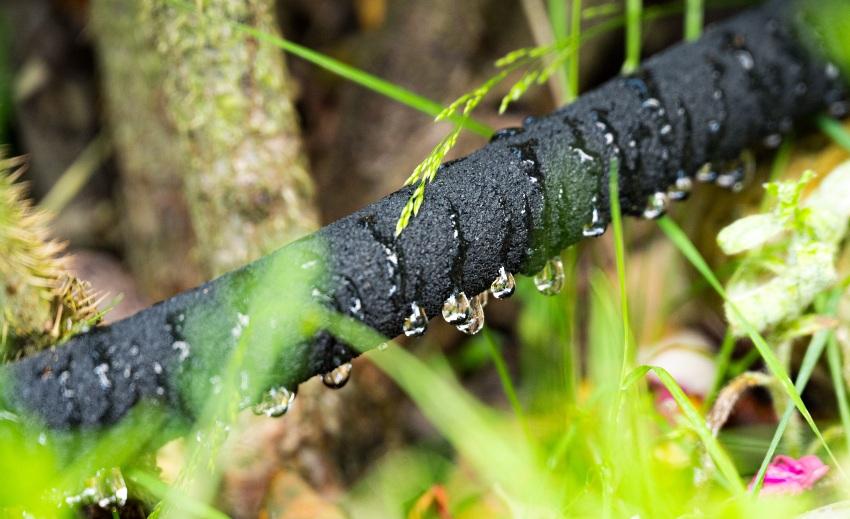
[{"x": 213, "y": 170}]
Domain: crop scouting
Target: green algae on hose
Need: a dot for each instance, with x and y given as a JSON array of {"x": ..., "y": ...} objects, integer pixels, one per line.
[{"x": 510, "y": 206}]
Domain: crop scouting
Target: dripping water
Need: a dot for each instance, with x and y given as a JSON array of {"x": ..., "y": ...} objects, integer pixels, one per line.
[
  {"x": 275, "y": 402},
  {"x": 416, "y": 322},
  {"x": 338, "y": 377},
  {"x": 550, "y": 280},
  {"x": 504, "y": 285}
]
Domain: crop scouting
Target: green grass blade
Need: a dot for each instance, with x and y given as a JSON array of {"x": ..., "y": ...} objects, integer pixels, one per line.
[
  {"x": 723, "y": 359},
  {"x": 573, "y": 66},
  {"x": 680, "y": 239},
  {"x": 162, "y": 491},
  {"x": 557, "y": 11},
  {"x": 835, "y": 131},
  {"x": 353, "y": 74},
  {"x": 833, "y": 357},
  {"x": 712, "y": 446},
  {"x": 504, "y": 376},
  {"x": 620, "y": 252},
  {"x": 810, "y": 360},
  {"x": 694, "y": 15},
  {"x": 634, "y": 22}
]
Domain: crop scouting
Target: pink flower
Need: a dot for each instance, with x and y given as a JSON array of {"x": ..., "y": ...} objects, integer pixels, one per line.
[{"x": 785, "y": 475}]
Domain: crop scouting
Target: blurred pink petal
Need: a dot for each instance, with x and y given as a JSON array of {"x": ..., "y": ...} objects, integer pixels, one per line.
[{"x": 785, "y": 475}]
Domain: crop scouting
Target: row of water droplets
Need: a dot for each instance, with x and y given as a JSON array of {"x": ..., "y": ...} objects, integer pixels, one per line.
[{"x": 467, "y": 314}]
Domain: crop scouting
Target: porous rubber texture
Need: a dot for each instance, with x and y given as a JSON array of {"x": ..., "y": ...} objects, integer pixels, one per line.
[{"x": 514, "y": 203}]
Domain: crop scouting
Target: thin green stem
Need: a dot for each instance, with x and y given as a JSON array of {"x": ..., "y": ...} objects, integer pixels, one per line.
[
  {"x": 835, "y": 131},
  {"x": 722, "y": 361},
  {"x": 617, "y": 224},
  {"x": 634, "y": 22},
  {"x": 557, "y": 10},
  {"x": 574, "y": 69},
  {"x": 694, "y": 14},
  {"x": 810, "y": 360},
  {"x": 833, "y": 357},
  {"x": 504, "y": 375}
]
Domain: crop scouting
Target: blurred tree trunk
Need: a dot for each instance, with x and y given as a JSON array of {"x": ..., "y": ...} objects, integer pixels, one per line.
[{"x": 207, "y": 136}]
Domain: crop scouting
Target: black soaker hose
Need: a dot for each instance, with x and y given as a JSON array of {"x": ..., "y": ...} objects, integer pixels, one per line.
[{"x": 521, "y": 199}]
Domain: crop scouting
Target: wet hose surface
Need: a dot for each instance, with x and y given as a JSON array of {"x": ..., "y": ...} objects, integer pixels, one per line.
[{"x": 528, "y": 194}]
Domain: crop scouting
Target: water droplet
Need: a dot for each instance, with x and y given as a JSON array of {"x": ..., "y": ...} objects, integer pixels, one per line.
[
  {"x": 745, "y": 59},
  {"x": 839, "y": 109},
  {"x": 713, "y": 126},
  {"x": 656, "y": 206},
  {"x": 528, "y": 121},
  {"x": 183, "y": 349},
  {"x": 736, "y": 172},
  {"x": 456, "y": 308},
  {"x": 706, "y": 173},
  {"x": 583, "y": 156},
  {"x": 504, "y": 285},
  {"x": 652, "y": 103},
  {"x": 505, "y": 133},
  {"x": 681, "y": 189},
  {"x": 106, "y": 489},
  {"x": 475, "y": 322},
  {"x": 415, "y": 324},
  {"x": 337, "y": 378},
  {"x": 383, "y": 346},
  {"x": 550, "y": 280},
  {"x": 101, "y": 371},
  {"x": 832, "y": 71},
  {"x": 596, "y": 227},
  {"x": 666, "y": 129},
  {"x": 773, "y": 140},
  {"x": 609, "y": 138},
  {"x": 275, "y": 402}
]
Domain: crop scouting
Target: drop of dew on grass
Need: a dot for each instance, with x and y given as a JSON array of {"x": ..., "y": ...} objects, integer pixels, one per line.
[
  {"x": 550, "y": 280},
  {"x": 338, "y": 377}
]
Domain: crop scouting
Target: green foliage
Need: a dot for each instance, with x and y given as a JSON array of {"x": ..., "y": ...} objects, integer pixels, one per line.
[{"x": 791, "y": 250}]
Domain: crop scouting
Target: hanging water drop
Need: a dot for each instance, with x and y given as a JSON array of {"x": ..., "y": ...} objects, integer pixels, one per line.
[
  {"x": 275, "y": 402},
  {"x": 338, "y": 377},
  {"x": 772, "y": 141},
  {"x": 504, "y": 285},
  {"x": 475, "y": 323},
  {"x": 706, "y": 173},
  {"x": 656, "y": 206},
  {"x": 415, "y": 324},
  {"x": 596, "y": 227},
  {"x": 681, "y": 189},
  {"x": 456, "y": 308},
  {"x": 550, "y": 280}
]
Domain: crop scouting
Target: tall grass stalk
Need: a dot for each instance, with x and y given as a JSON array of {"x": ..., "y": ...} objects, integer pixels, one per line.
[
  {"x": 694, "y": 14},
  {"x": 634, "y": 23}
]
